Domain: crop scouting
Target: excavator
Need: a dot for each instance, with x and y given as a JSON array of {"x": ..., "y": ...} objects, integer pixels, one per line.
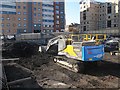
[{"x": 73, "y": 52}]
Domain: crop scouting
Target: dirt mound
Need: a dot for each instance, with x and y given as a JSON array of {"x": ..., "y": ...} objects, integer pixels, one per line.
[
  {"x": 19, "y": 49},
  {"x": 35, "y": 61}
]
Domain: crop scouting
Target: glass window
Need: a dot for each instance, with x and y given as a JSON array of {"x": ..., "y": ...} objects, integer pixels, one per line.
[
  {"x": 38, "y": 14},
  {"x": 24, "y": 19},
  {"x": 57, "y": 2},
  {"x": 57, "y": 16},
  {"x": 57, "y": 12},
  {"x": 24, "y": 25},
  {"x": 19, "y": 19},
  {"x": 8, "y": 31},
  {"x": 19, "y": 25},
  {"x": 8, "y": 24},
  {"x": 24, "y": 7},
  {"x": 57, "y": 21},
  {"x": 2, "y": 19},
  {"x": 18, "y": 7},
  {"x": 34, "y": 14},
  {"x": 19, "y": 12},
  {"x": 39, "y": 20},
  {"x": 24, "y": 13},
  {"x": 24, "y": 30},
  {"x": 8, "y": 18},
  {"x": 39, "y": 9},
  {"x": 35, "y": 25},
  {"x": 35, "y": 3},
  {"x": 35, "y": 9},
  {"x": 61, "y": 12},
  {"x": 57, "y": 7},
  {"x": 2, "y": 25}
]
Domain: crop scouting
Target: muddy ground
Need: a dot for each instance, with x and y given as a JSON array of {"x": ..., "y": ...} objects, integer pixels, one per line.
[{"x": 49, "y": 75}]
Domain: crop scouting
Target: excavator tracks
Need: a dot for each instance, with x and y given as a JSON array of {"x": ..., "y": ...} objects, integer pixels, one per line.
[{"x": 70, "y": 64}]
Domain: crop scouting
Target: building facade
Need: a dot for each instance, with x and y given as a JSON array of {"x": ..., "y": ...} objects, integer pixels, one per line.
[
  {"x": 73, "y": 28},
  {"x": 59, "y": 16},
  {"x": 8, "y": 17},
  {"x": 108, "y": 14},
  {"x": 89, "y": 15},
  {"x": 98, "y": 15},
  {"x": 36, "y": 17},
  {"x": 119, "y": 15}
]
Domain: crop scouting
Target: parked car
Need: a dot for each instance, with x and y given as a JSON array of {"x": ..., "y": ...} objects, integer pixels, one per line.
[{"x": 111, "y": 46}]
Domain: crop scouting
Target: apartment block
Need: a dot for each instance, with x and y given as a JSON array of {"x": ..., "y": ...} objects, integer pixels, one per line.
[
  {"x": 8, "y": 17},
  {"x": 59, "y": 16},
  {"x": 89, "y": 13},
  {"x": 36, "y": 17},
  {"x": 119, "y": 15},
  {"x": 108, "y": 15},
  {"x": 98, "y": 15}
]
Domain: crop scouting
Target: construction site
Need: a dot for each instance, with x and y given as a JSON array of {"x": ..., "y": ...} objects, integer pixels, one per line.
[{"x": 28, "y": 65}]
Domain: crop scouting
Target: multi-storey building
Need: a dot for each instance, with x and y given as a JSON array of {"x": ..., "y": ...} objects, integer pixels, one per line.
[
  {"x": 89, "y": 15},
  {"x": 8, "y": 17},
  {"x": 59, "y": 16},
  {"x": 36, "y": 17},
  {"x": 108, "y": 14},
  {"x": 119, "y": 15},
  {"x": 98, "y": 15}
]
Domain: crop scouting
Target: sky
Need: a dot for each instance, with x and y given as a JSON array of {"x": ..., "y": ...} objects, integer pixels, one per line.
[{"x": 72, "y": 11}]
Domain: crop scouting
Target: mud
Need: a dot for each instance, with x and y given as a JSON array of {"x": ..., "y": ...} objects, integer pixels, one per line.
[{"x": 49, "y": 75}]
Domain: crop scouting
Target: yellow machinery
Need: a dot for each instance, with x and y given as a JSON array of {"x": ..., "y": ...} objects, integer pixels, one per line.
[
  {"x": 73, "y": 52},
  {"x": 85, "y": 37}
]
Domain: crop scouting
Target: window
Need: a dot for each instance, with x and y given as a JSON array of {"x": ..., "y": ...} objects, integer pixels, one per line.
[
  {"x": 35, "y": 3},
  {"x": 56, "y": 2},
  {"x": 39, "y": 9},
  {"x": 8, "y": 31},
  {"x": 2, "y": 19},
  {"x": 19, "y": 19},
  {"x": 24, "y": 13},
  {"x": 18, "y": 7},
  {"x": 115, "y": 25},
  {"x": 24, "y": 19},
  {"x": 38, "y": 3},
  {"x": 84, "y": 16},
  {"x": 24, "y": 30},
  {"x": 109, "y": 23},
  {"x": 24, "y": 25},
  {"x": 8, "y": 25},
  {"x": 24, "y": 7},
  {"x": 109, "y": 17},
  {"x": 35, "y": 25},
  {"x": 2, "y": 25},
  {"x": 39, "y": 20},
  {"x": 57, "y": 16},
  {"x": 19, "y": 12},
  {"x": 84, "y": 28},
  {"x": 57, "y": 21},
  {"x": 57, "y": 12},
  {"x": 57, "y": 7},
  {"x": 35, "y": 9},
  {"x": 34, "y": 14},
  {"x": 61, "y": 12},
  {"x": 109, "y": 9},
  {"x": 38, "y": 14},
  {"x": 8, "y": 18},
  {"x": 19, "y": 25}
]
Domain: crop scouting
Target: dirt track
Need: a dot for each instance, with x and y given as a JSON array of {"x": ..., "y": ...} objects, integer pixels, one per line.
[{"x": 50, "y": 75}]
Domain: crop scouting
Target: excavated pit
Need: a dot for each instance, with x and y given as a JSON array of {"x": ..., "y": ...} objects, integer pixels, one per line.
[{"x": 50, "y": 75}]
